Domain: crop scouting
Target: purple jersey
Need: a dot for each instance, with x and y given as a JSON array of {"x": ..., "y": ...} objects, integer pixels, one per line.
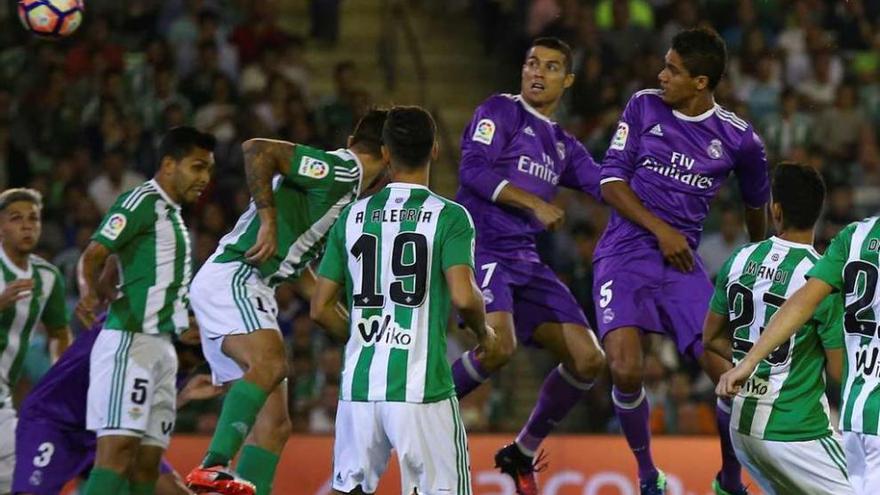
[
  {"x": 675, "y": 164},
  {"x": 508, "y": 141},
  {"x": 60, "y": 396}
]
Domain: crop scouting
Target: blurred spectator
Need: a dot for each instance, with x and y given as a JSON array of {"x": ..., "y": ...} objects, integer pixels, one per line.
[
  {"x": 624, "y": 37},
  {"x": 113, "y": 181},
  {"x": 322, "y": 418},
  {"x": 787, "y": 131},
  {"x": 325, "y": 21},
  {"x": 716, "y": 247}
]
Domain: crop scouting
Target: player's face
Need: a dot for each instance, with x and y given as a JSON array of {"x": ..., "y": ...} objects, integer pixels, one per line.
[
  {"x": 544, "y": 76},
  {"x": 192, "y": 174},
  {"x": 20, "y": 225},
  {"x": 677, "y": 83}
]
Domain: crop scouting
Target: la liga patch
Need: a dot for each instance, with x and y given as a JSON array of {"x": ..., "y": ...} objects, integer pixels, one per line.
[
  {"x": 114, "y": 226},
  {"x": 484, "y": 132},
  {"x": 314, "y": 168},
  {"x": 618, "y": 142}
]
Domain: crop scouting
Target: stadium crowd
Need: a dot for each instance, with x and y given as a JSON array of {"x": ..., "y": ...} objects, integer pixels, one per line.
[{"x": 81, "y": 125}]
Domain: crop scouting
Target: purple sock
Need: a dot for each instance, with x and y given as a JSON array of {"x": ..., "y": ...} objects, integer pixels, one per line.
[
  {"x": 559, "y": 394},
  {"x": 731, "y": 470},
  {"x": 634, "y": 413},
  {"x": 468, "y": 374}
]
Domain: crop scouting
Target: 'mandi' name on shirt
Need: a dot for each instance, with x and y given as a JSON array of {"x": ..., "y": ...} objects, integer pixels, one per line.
[
  {"x": 777, "y": 275},
  {"x": 398, "y": 215}
]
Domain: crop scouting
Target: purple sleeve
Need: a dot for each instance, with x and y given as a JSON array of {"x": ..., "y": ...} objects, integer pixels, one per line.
[
  {"x": 581, "y": 172},
  {"x": 752, "y": 172},
  {"x": 620, "y": 159},
  {"x": 482, "y": 143}
]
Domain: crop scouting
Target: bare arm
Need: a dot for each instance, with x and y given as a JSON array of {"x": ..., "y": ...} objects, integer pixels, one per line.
[
  {"x": 467, "y": 298},
  {"x": 834, "y": 364},
  {"x": 672, "y": 243},
  {"x": 716, "y": 338},
  {"x": 790, "y": 317},
  {"x": 263, "y": 158},
  {"x": 324, "y": 309},
  {"x": 89, "y": 267},
  {"x": 756, "y": 223},
  {"x": 59, "y": 340}
]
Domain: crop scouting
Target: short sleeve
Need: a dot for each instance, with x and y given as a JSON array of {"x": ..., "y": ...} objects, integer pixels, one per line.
[
  {"x": 310, "y": 167},
  {"x": 829, "y": 268},
  {"x": 457, "y": 243},
  {"x": 482, "y": 143},
  {"x": 752, "y": 172},
  {"x": 620, "y": 159},
  {"x": 581, "y": 171},
  {"x": 829, "y": 319},
  {"x": 335, "y": 259},
  {"x": 55, "y": 313},
  {"x": 719, "y": 303},
  {"x": 127, "y": 218}
]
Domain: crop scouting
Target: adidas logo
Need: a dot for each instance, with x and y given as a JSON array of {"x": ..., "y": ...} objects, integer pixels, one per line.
[
  {"x": 528, "y": 130},
  {"x": 656, "y": 130}
]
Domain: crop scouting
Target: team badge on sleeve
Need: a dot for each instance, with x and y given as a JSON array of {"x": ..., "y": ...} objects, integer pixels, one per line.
[
  {"x": 484, "y": 132},
  {"x": 314, "y": 168},
  {"x": 114, "y": 226},
  {"x": 618, "y": 142}
]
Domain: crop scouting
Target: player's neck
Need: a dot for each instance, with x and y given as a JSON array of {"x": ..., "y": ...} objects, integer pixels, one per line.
[
  {"x": 697, "y": 105},
  {"x": 167, "y": 187},
  {"x": 798, "y": 236},
  {"x": 372, "y": 168},
  {"x": 545, "y": 109},
  {"x": 419, "y": 177},
  {"x": 18, "y": 258}
]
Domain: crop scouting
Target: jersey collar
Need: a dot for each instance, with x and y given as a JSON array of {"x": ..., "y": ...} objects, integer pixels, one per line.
[
  {"x": 406, "y": 185},
  {"x": 360, "y": 165},
  {"x": 531, "y": 109},
  {"x": 696, "y": 118},
  {"x": 28, "y": 273},
  {"x": 163, "y": 193},
  {"x": 794, "y": 245}
]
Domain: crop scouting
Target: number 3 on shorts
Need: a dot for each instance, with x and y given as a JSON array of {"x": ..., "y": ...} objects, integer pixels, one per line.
[
  {"x": 46, "y": 449},
  {"x": 490, "y": 270},
  {"x": 606, "y": 293}
]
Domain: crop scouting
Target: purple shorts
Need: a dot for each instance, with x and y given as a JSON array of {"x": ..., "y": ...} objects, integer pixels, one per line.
[
  {"x": 638, "y": 289},
  {"x": 47, "y": 457},
  {"x": 528, "y": 289}
]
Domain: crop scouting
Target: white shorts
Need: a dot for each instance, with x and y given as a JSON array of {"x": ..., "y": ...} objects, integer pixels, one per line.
[
  {"x": 8, "y": 421},
  {"x": 132, "y": 386},
  {"x": 230, "y": 299},
  {"x": 863, "y": 459},
  {"x": 429, "y": 440},
  {"x": 813, "y": 467}
]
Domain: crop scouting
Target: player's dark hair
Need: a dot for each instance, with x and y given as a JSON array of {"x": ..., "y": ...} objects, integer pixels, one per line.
[
  {"x": 367, "y": 135},
  {"x": 17, "y": 194},
  {"x": 703, "y": 53},
  {"x": 409, "y": 136},
  {"x": 180, "y": 141},
  {"x": 800, "y": 190},
  {"x": 558, "y": 45}
]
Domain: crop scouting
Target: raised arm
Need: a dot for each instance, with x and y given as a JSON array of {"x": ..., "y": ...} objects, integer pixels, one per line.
[
  {"x": 752, "y": 175},
  {"x": 263, "y": 159}
]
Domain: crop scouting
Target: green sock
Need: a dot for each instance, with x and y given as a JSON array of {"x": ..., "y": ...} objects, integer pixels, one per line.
[
  {"x": 240, "y": 409},
  {"x": 143, "y": 488},
  {"x": 257, "y": 465},
  {"x": 103, "y": 481}
]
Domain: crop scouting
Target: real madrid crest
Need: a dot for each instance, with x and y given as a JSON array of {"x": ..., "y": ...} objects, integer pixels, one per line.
[
  {"x": 560, "y": 149},
  {"x": 715, "y": 150}
]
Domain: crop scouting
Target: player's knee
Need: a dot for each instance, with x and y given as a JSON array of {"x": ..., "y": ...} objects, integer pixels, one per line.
[
  {"x": 269, "y": 369},
  {"x": 116, "y": 454},
  {"x": 590, "y": 365},
  {"x": 626, "y": 374}
]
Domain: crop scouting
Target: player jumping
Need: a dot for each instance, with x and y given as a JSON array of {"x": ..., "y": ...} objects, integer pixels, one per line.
[
  {"x": 133, "y": 364},
  {"x": 298, "y": 192},
  {"x": 673, "y": 149},
  {"x": 514, "y": 158},
  {"x": 401, "y": 256},
  {"x": 780, "y": 424}
]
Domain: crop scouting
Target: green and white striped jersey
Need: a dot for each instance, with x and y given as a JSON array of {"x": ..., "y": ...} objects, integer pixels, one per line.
[
  {"x": 784, "y": 400},
  {"x": 44, "y": 304},
  {"x": 145, "y": 229},
  {"x": 308, "y": 201},
  {"x": 850, "y": 265},
  {"x": 390, "y": 252}
]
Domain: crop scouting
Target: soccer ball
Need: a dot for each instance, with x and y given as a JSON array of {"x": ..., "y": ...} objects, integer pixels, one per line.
[{"x": 51, "y": 18}]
